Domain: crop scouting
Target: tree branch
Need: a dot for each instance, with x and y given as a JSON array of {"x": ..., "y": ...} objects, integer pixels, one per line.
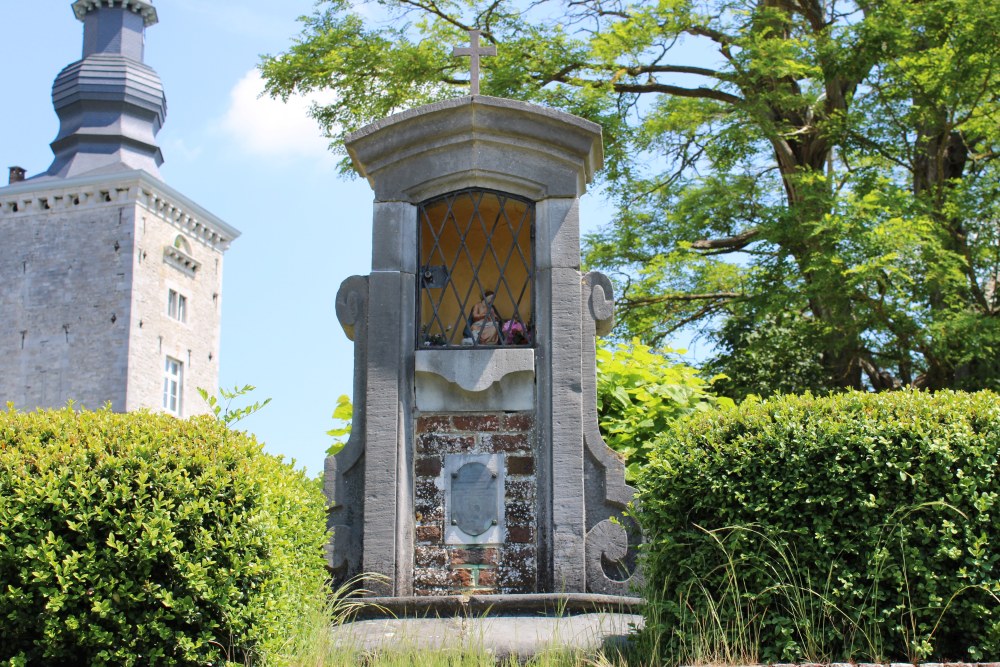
[
  {"x": 650, "y": 301},
  {"x": 651, "y": 87},
  {"x": 714, "y": 35},
  {"x": 881, "y": 380},
  {"x": 663, "y": 69},
  {"x": 679, "y": 91},
  {"x": 701, "y": 313},
  {"x": 736, "y": 242},
  {"x": 431, "y": 8},
  {"x": 559, "y": 76}
]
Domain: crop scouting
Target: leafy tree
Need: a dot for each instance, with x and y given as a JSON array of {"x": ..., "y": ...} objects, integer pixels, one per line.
[
  {"x": 813, "y": 180},
  {"x": 641, "y": 392}
]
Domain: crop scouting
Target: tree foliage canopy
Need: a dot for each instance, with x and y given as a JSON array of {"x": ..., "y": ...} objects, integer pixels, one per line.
[
  {"x": 641, "y": 393},
  {"x": 812, "y": 183}
]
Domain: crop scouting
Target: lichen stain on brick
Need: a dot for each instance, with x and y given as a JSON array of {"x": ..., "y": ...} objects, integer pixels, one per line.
[
  {"x": 428, "y": 488},
  {"x": 517, "y": 569},
  {"x": 434, "y": 424},
  {"x": 506, "y": 442},
  {"x": 520, "y": 514},
  {"x": 428, "y": 511},
  {"x": 428, "y": 443},
  {"x": 425, "y": 556},
  {"x": 520, "y": 490}
]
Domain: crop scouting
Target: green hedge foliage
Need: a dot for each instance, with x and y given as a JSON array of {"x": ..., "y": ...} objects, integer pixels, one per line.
[
  {"x": 856, "y": 526},
  {"x": 141, "y": 539}
]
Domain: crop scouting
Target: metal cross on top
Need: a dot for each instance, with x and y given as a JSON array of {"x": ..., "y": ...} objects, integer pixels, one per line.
[{"x": 474, "y": 51}]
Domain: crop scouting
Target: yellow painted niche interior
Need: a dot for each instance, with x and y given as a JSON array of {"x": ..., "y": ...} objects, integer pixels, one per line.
[{"x": 483, "y": 239}]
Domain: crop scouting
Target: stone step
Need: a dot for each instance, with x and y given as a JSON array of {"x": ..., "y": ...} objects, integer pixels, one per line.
[{"x": 522, "y": 636}]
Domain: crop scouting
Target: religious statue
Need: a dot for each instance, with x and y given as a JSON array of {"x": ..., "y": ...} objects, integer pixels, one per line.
[{"x": 485, "y": 322}]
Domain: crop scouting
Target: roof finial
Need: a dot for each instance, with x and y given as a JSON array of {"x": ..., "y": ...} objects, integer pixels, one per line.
[
  {"x": 474, "y": 51},
  {"x": 110, "y": 103}
]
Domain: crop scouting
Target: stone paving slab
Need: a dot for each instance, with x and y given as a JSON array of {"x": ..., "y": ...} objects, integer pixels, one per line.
[
  {"x": 503, "y": 636},
  {"x": 871, "y": 664}
]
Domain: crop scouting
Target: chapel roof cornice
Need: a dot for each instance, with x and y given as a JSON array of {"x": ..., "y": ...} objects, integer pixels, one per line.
[{"x": 477, "y": 141}]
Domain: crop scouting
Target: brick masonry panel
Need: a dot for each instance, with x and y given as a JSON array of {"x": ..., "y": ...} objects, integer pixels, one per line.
[{"x": 446, "y": 569}]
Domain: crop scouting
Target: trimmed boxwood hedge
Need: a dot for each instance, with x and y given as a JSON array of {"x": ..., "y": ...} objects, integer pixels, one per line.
[
  {"x": 856, "y": 526},
  {"x": 141, "y": 539}
]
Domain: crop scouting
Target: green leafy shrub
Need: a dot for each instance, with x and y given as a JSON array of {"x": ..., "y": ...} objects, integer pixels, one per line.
[
  {"x": 341, "y": 431},
  {"x": 640, "y": 392},
  {"x": 141, "y": 539},
  {"x": 855, "y": 526}
]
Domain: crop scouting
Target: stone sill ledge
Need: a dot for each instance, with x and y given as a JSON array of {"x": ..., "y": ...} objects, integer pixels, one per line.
[
  {"x": 552, "y": 604},
  {"x": 475, "y": 369}
]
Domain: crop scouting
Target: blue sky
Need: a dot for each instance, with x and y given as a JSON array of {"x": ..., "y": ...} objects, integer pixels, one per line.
[{"x": 261, "y": 166}]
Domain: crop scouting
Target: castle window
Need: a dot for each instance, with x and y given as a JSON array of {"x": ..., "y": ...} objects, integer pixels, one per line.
[
  {"x": 179, "y": 256},
  {"x": 176, "y": 306},
  {"x": 173, "y": 386},
  {"x": 476, "y": 270}
]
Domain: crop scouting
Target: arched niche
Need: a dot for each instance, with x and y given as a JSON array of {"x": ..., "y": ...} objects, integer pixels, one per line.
[{"x": 476, "y": 268}]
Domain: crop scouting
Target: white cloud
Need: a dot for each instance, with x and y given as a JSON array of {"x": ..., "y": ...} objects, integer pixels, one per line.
[{"x": 268, "y": 127}]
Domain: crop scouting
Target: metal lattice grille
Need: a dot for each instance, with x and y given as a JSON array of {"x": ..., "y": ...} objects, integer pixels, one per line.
[{"x": 476, "y": 270}]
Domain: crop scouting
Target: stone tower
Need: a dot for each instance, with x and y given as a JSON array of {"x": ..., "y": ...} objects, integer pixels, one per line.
[
  {"x": 475, "y": 465},
  {"x": 110, "y": 280}
]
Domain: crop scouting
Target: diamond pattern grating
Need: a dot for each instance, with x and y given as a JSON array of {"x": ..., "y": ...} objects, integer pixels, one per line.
[{"x": 476, "y": 270}]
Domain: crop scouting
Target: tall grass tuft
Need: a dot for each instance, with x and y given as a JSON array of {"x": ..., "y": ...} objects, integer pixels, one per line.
[
  {"x": 311, "y": 643},
  {"x": 719, "y": 618}
]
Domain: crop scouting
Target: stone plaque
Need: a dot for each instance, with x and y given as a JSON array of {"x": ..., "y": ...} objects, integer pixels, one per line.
[{"x": 473, "y": 499}]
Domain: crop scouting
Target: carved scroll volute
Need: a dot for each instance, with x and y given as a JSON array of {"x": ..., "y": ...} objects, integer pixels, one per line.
[
  {"x": 602, "y": 303},
  {"x": 351, "y": 304},
  {"x": 344, "y": 478},
  {"x": 611, "y": 536}
]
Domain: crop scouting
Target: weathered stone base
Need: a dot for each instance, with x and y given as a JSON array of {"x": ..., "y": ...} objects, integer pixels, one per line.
[
  {"x": 509, "y": 566},
  {"x": 489, "y": 639}
]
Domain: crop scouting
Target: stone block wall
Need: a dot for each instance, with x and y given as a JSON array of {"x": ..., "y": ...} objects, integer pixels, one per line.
[
  {"x": 509, "y": 566},
  {"x": 85, "y": 272},
  {"x": 155, "y": 335},
  {"x": 65, "y": 286}
]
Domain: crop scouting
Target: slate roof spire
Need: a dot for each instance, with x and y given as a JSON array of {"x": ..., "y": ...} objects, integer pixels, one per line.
[{"x": 110, "y": 104}]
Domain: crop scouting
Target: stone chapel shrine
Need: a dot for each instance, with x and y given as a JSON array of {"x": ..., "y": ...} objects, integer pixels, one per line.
[
  {"x": 475, "y": 464},
  {"x": 110, "y": 280}
]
